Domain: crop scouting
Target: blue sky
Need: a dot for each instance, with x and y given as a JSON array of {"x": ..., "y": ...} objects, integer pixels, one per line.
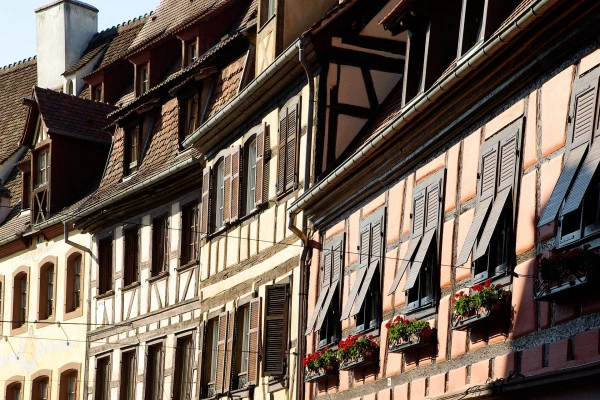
[{"x": 17, "y": 22}]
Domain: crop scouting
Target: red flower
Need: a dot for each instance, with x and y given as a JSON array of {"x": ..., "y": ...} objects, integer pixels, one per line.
[
  {"x": 487, "y": 282},
  {"x": 397, "y": 318},
  {"x": 406, "y": 322},
  {"x": 370, "y": 336},
  {"x": 387, "y": 325},
  {"x": 373, "y": 344}
]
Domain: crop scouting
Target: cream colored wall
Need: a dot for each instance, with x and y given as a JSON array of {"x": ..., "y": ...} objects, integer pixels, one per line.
[{"x": 41, "y": 347}]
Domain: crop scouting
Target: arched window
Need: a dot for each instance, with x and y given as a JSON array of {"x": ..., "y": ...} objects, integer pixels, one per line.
[
  {"x": 70, "y": 89},
  {"x": 14, "y": 391},
  {"x": 19, "y": 300},
  {"x": 68, "y": 385},
  {"x": 46, "y": 298},
  {"x": 73, "y": 284},
  {"x": 40, "y": 389}
]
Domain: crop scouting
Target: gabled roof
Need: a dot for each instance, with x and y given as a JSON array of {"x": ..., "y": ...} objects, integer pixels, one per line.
[
  {"x": 16, "y": 82},
  {"x": 72, "y": 116}
]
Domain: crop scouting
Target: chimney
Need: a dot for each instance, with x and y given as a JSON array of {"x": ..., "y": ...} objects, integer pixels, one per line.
[{"x": 64, "y": 29}]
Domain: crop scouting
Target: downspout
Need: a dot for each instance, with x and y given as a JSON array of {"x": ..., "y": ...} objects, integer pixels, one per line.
[{"x": 306, "y": 250}]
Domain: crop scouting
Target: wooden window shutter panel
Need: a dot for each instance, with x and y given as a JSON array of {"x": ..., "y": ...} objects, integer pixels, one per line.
[
  {"x": 276, "y": 335},
  {"x": 291, "y": 147},
  {"x": 281, "y": 152},
  {"x": 227, "y": 189},
  {"x": 365, "y": 248},
  {"x": 418, "y": 214},
  {"x": 235, "y": 184},
  {"x": 221, "y": 352},
  {"x": 230, "y": 352},
  {"x": 487, "y": 177},
  {"x": 433, "y": 203},
  {"x": 201, "y": 353},
  {"x": 328, "y": 257},
  {"x": 260, "y": 194},
  {"x": 582, "y": 123},
  {"x": 254, "y": 341},
  {"x": 377, "y": 245},
  {"x": 205, "y": 215},
  {"x": 508, "y": 161}
]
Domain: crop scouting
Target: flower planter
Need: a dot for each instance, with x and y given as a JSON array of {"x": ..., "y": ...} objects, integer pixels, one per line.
[
  {"x": 411, "y": 343},
  {"x": 321, "y": 374},
  {"x": 366, "y": 358},
  {"x": 485, "y": 315},
  {"x": 557, "y": 291}
]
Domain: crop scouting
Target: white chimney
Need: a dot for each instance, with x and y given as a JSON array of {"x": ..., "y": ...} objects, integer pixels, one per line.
[{"x": 64, "y": 29}]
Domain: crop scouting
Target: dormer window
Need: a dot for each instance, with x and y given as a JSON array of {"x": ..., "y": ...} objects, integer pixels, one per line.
[
  {"x": 190, "y": 115},
  {"x": 43, "y": 167},
  {"x": 98, "y": 93},
  {"x": 40, "y": 132},
  {"x": 132, "y": 149},
  {"x": 191, "y": 52},
  {"x": 144, "y": 79}
]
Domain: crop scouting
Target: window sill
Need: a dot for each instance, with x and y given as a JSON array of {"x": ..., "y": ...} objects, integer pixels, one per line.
[
  {"x": 78, "y": 312},
  {"x": 45, "y": 322},
  {"x": 375, "y": 331},
  {"x": 105, "y": 295},
  {"x": 131, "y": 286},
  {"x": 421, "y": 312},
  {"x": 19, "y": 330},
  {"x": 277, "y": 383},
  {"x": 158, "y": 277},
  {"x": 188, "y": 265}
]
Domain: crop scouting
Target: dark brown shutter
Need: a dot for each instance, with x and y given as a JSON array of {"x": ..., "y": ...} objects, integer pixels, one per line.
[
  {"x": 227, "y": 189},
  {"x": 230, "y": 352},
  {"x": 201, "y": 355},
  {"x": 260, "y": 194},
  {"x": 206, "y": 197},
  {"x": 235, "y": 184},
  {"x": 583, "y": 179},
  {"x": 221, "y": 351},
  {"x": 291, "y": 147},
  {"x": 281, "y": 152},
  {"x": 508, "y": 161},
  {"x": 489, "y": 163},
  {"x": 276, "y": 337},
  {"x": 570, "y": 168},
  {"x": 254, "y": 341},
  {"x": 492, "y": 222},
  {"x": 418, "y": 214}
]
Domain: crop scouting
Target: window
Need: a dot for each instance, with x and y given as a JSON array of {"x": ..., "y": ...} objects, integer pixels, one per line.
[
  {"x": 490, "y": 238},
  {"x": 154, "y": 365},
  {"x": 210, "y": 358},
  {"x": 422, "y": 255},
  {"x": 144, "y": 79},
  {"x": 160, "y": 245},
  {"x": 43, "y": 167},
  {"x": 250, "y": 175},
  {"x": 191, "y": 115},
  {"x": 184, "y": 355},
  {"x": 131, "y": 264},
  {"x": 242, "y": 346},
  {"x": 70, "y": 87},
  {"x": 73, "y": 292},
  {"x": 14, "y": 392},
  {"x": 105, "y": 281},
  {"x": 68, "y": 385},
  {"x": 288, "y": 138},
  {"x": 574, "y": 199},
  {"x": 40, "y": 132},
  {"x": 98, "y": 93},
  {"x": 326, "y": 317},
  {"x": 41, "y": 389},
  {"x": 133, "y": 148},
  {"x": 189, "y": 233},
  {"x": 191, "y": 52},
  {"x": 128, "y": 375},
  {"x": 46, "y": 299},
  {"x": 220, "y": 196},
  {"x": 26, "y": 193},
  {"x": 275, "y": 339},
  {"x": 102, "y": 379},
  {"x": 20, "y": 300},
  {"x": 364, "y": 301}
]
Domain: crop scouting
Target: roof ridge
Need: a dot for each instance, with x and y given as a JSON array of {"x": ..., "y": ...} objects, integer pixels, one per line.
[
  {"x": 77, "y": 98},
  {"x": 23, "y": 61},
  {"x": 126, "y": 23}
]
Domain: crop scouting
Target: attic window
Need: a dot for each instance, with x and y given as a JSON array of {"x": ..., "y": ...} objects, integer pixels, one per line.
[
  {"x": 43, "y": 167},
  {"x": 191, "y": 51},
  {"x": 98, "y": 93},
  {"x": 132, "y": 148},
  {"x": 144, "y": 79},
  {"x": 40, "y": 132}
]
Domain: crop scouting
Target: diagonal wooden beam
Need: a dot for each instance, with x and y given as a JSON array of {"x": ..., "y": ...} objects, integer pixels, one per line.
[{"x": 366, "y": 60}]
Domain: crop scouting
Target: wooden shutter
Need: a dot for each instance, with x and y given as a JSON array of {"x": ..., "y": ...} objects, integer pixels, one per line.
[
  {"x": 365, "y": 249},
  {"x": 433, "y": 205},
  {"x": 221, "y": 352},
  {"x": 480, "y": 216},
  {"x": 260, "y": 194},
  {"x": 201, "y": 355},
  {"x": 254, "y": 341},
  {"x": 325, "y": 282},
  {"x": 583, "y": 179},
  {"x": 235, "y": 183},
  {"x": 487, "y": 177},
  {"x": 583, "y": 110},
  {"x": 276, "y": 336},
  {"x": 227, "y": 189},
  {"x": 230, "y": 352},
  {"x": 406, "y": 260},
  {"x": 291, "y": 147},
  {"x": 377, "y": 245},
  {"x": 364, "y": 288},
  {"x": 417, "y": 263},
  {"x": 508, "y": 161},
  {"x": 206, "y": 208},
  {"x": 281, "y": 152},
  {"x": 418, "y": 214},
  {"x": 492, "y": 222}
]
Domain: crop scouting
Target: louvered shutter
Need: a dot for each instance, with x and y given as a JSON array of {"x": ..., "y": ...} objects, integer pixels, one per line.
[
  {"x": 201, "y": 355},
  {"x": 230, "y": 352},
  {"x": 583, "y": 179},
  {"x": 377, "y": 246},
  {"x": 260, "y": 194},
  {"x": 492, "y": 221},
  {"x": 432, "y": 206},
  {"x": 365, "y": 249},
  {"x": 254, "y": 341},
  {"x": 221, "y": 352},
  {"x": 291, "y": 147},
  {"x": 325, "y": 282},
  {"x": 227, "y": 189},
  {"x": 418, "y": 214},
  {"x": 276, "y": 337},
  {"x": 206, "y": 189},
  {"x": 235, "y": 184},
  {"x": 584, "y": 110},
  {"x": 417, "y": 263},
  {"x": 281, "y": 152},
  {"x": 337, "y": 254},
  {"x": 360, "y": 276},
  {"x": 406, "y": 260},
  {"x": 508, "y": 161},
  {"x": 489, "y": 164},
  {"x": 480, "y": 216}
]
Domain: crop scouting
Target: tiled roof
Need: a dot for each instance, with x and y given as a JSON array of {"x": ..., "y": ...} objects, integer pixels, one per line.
[
  {"x": 14, "y": 222},
  {"x": 86, "y": 92},
  {"x": 97, "y": 45},
  {"x": 227, "y": 86},
  {"x": 16, "y": 82},
  {"x": 161, "y": 154},
  {"x": 172, "y": 15},
  {"x": 69, "y": 115}
]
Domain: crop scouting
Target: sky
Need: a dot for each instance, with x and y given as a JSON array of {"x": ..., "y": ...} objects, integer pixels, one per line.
[{"x": 17, "y": 22}]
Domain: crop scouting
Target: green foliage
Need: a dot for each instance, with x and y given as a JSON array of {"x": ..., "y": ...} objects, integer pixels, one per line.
[
  {"x": 486, "y": 296},
  {"x": 575, "y": 262},
  {"x": 403, "y": 328}
]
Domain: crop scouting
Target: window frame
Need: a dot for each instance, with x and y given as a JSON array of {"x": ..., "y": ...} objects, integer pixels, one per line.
[
  {"x": 133, "y": 148},
  {"x": 73, "y": 296},
  {"x": 66, "y": 373},
  {"x": 249, "y": 195},
  {"x": 160, "y": 244},
  {"x": 102, "y": 386},
  {"x": 13, "y": 384},
  {"x": 143, "y": 84},
  {"x": 20, "y": 311},
  {"x": 218, "y": 222},
  {"x": 37, "y": 386},
  {"x": 126, "y": 390},
  {"x": 47, "y": 292},
  {"x": 149, "y": 390},
  {"x": 131, "y": 255},
  {"x": 190, "y": 228},
  {"x": 183, "y": 367},
  {"x": 42, "y": 171},
  {"x": 105, "y": 283},
  {"x": 286, "y": 181},
  {"x": 209, "y": 361}
]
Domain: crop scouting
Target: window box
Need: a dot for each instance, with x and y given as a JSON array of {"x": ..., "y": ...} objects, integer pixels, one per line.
[
  {"x": 412, "y": 342},
  {"x": 404, "y": 335},
  {"x": 485, "y": 303},
  {"x": 329, "y": 371},
  {"x": 368, "y": 357},
  {"x": 566, "y": 274},
  {"x": 320, "y": 365}
]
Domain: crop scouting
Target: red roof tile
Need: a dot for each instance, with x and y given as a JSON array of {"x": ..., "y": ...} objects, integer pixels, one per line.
[
  {"x": 228, "y": 84},
  {"x": 68, "y": 115}
]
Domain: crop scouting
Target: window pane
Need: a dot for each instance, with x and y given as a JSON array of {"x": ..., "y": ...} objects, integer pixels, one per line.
[
  {"x": 245, "y": 339},
  {"x": 50, "y": 304},
  {"x": 251, "y": 176},
  {"x": 220, "y": 195}
]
